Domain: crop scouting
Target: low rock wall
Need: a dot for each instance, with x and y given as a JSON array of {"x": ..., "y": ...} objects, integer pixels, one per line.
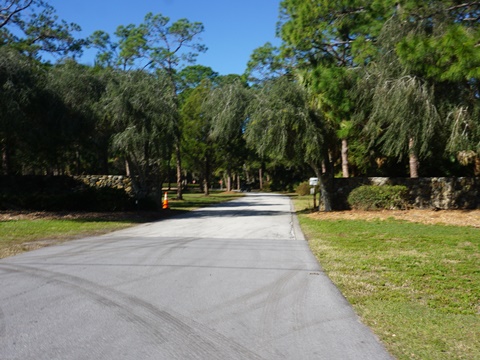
[
  {"x": 112, "y": 181},
  {"x": 424, "y": 193}
]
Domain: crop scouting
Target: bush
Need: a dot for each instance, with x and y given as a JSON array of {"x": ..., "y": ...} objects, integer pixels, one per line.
[
  {"x": 303, "y": 188},
  {"x": 88, "y": 199},
  {"x": 267, "y": 186},
  {"x": 370, "y": 197},
  {"x": 63, "y": 193}
]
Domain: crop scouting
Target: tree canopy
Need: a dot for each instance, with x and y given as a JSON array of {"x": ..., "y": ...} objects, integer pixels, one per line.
[
  {"x": 33, "y": 27},
  {"x": 356, "y": 88}
]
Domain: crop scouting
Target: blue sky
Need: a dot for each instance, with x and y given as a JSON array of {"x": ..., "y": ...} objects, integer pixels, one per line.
[{"x": 233, "y": 29}]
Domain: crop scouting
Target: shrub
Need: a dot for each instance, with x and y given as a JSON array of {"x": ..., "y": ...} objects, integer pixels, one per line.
[
  {"x": 370, "y": 197},
  {"x": 303, "y": 188},
  {"x": 267, "y": 186},
  {"x": 64, "y": 193}
]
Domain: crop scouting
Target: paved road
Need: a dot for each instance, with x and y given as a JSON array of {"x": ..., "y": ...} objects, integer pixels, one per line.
[{"x": 234, "y": 281}]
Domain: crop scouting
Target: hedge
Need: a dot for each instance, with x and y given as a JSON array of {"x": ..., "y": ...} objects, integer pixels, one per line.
[{"x": 371, "y": 197}]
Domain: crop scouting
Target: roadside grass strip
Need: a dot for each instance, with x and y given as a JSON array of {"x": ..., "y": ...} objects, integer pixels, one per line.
[
  {"x": 417, "y": 286},
  {"x": 17, "y": 236}
]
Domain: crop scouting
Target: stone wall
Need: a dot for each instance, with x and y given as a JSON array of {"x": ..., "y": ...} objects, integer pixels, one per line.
[
  {"x": 424, "y": 193},
  {"x": 112, "y": 181}
]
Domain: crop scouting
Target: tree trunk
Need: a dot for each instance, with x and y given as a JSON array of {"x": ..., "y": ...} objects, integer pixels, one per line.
[
  {"x": 324, "y": 168},
  {"x": 206, "y": 190},
  {"x": 326, "y": 192},
  {"x": 325, "y": 179},
  {"x": 229, "y": 180},
  {"x": 177, "y": 139},
  {"x": 179, "y": 171},
  {"x": 260, "y": 177},
  {"x": 77, "y": 160},
  {"x": 247, "y": 175},
  {"x": 413, "y": 160},
  {"x": 6, "y": 166},
  {"x": 206, "y": 177},
  {"x": 345, "y": 171},
  {"x": 127, "y": 168}
]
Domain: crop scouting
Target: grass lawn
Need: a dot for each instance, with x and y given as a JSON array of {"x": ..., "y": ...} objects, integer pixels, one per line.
[
  {"x": 28, "y": 233},
  {"x": 417, "y": 286},
  {"x": 193, "y": 201},
  {"x": 17, "y": 236}
]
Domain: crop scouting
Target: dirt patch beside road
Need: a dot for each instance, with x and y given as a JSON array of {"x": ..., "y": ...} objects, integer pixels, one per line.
[
  {"x": 446, "y": 217},
  {"x": 102, "y": 216}
]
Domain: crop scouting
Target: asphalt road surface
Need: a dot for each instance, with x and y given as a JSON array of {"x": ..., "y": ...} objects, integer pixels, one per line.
[{"x": 233, "y": 281}]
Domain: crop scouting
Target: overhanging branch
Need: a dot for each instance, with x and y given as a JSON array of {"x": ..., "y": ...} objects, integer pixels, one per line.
[{"x": 7, "y": 17}]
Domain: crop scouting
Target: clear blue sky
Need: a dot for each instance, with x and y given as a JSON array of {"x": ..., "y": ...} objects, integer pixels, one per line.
[{"x": 233, "y": 29}]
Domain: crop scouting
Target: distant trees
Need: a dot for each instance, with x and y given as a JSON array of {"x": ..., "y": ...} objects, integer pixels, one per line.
[
  {"x": 155, "y": 46},
  {"x": 399, "y": 76},
  {"x": 198, "y": 146},
  {"x": 131, "y": 112},
  {"x": 413, "y": 90},
  {"x": 140, "y": 106},
  {"x": 172, "y": 45},
  {"x": 18, "y": 83},
  {"x": 70, "y": 118},
  {"x": 283, "y": 124},
  {"x": 227, "y": 105},
  {"x": 355, "y": 89},
  {"x": 402, "y": 116},
  {"x": 441, "y": 47},
  {"x": 394, "y": 80},
  {"x": 213, "y": 122},
  {"x": 29, "y": 28}
]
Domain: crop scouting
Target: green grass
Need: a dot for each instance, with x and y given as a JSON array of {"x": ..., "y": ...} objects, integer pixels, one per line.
[
  {"x": 17, "y": 236},
  {"x": 193, "y": 201},
  {"x": 417, "y": 286}
]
